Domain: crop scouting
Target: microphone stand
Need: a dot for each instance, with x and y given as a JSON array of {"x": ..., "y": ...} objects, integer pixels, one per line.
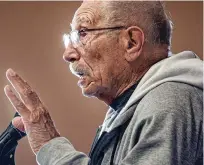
[{"x": 8, "y": 143}]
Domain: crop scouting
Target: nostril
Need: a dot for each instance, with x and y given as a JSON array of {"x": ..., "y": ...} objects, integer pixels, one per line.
[
  {"x": 72, "y": 60},
  {"x": 68, "y": 59}
]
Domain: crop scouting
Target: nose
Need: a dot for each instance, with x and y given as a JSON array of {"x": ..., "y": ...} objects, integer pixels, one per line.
[{"x": 71, "y": 55}]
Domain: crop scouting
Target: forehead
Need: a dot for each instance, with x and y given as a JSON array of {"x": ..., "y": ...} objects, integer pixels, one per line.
[{"x": 89, "y": 14}]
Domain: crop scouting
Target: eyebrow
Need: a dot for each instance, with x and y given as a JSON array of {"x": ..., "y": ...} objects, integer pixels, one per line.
[
  {"x": 85, "y": 19},
  {"x": 79, "y": 24}
]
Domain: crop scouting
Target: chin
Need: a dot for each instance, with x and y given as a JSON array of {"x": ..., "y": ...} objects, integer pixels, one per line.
[
  {"x": 95, "y": 91},
  {"x": 90, "y": 91}
]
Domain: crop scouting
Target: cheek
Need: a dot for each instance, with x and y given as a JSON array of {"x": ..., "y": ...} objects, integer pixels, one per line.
[
  {"x": 103, "y": 59},
  {"x": 112, "y": 68},
  {"x": 94, "y": 60},
  {"x": 108, "y": 72}
]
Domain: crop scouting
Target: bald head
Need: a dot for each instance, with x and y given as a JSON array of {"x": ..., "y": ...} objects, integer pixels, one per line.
[{"x": 150, "y": 16}]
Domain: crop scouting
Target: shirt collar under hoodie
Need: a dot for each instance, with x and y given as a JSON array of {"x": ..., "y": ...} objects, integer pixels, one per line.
[{"x": 119, "y": 102}]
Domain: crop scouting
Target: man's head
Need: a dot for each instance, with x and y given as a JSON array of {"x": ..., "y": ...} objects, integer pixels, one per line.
[{"x": 125, "y": 40}]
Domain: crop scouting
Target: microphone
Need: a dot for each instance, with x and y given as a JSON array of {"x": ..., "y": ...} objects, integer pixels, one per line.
[{"x": 8, "y": 143}]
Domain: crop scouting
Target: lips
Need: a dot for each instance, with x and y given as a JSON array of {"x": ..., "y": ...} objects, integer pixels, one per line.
[
  {"x": 79, "y": 74},
  {"x": 82, "y": 73},
  {"x": 82, "y": 79},
  {"x": 82, "y": 82}
]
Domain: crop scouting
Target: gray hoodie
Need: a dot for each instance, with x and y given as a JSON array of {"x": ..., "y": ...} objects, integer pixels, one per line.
[{"x": 161, "y": 124}]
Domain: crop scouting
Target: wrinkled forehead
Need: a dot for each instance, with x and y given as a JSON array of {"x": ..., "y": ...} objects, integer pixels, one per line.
[{"x": 89, "y": 14}]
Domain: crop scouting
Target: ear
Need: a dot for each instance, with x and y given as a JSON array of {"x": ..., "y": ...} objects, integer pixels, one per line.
[{"x": 134, "y": 43}]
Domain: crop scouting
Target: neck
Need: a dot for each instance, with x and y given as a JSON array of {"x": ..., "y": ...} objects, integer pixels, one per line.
[
  {"x": 122, "y": 87},
  {"x": 157, "y": 53}
]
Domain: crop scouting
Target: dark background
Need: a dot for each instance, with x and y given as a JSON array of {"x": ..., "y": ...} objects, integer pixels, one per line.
[{"x": 31, "y": 44}]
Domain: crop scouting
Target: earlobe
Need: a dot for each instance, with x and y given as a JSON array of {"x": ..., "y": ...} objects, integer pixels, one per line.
[{"x": 135, "y": 43}]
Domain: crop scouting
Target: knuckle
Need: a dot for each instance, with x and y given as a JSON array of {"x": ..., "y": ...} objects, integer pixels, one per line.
[
  {"x": 20, "y": 105},
  {"x": 28, "y": 91},
  {"x": 39, "y": 114},
  {"x": 32, "y": 97}
]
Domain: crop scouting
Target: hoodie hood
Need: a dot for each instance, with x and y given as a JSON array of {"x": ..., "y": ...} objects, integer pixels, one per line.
[{"x": 185, "y": 67}]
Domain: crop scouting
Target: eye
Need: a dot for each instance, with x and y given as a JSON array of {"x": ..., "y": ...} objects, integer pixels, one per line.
[{"x": 82, "y": 32}]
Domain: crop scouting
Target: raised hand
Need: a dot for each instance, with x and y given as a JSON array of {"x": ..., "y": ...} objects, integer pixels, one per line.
[{"x": 35, "y": 117}]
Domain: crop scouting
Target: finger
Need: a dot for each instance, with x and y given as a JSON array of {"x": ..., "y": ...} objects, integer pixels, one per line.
[
  {"x": 28, "y": 96},
  {"x": 16, "y": 102},
  {"x": 18, "y": 123}
]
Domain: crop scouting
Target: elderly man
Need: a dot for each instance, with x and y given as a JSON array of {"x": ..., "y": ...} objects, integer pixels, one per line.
[{"x": 120, "y": 52}]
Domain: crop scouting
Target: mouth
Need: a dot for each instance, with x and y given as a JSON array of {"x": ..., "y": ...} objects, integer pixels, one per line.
[
  {"x": 82, "y": 82},
  {"x": 79, "y": 74},
  {"x": 83, "y": 75}
]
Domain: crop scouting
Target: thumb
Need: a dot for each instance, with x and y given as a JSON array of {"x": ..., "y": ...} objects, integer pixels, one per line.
[{"x": 18, "y": 123}]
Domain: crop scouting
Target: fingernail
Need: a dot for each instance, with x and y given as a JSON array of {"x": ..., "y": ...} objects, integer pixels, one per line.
[
  {"x": 11, "y": 72},
  {"x": 7, "y": 88}
]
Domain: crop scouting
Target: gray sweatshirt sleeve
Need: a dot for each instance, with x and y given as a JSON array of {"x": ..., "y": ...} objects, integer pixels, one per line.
[
  {"x": 59, "y": 151},
  {"x": 168, "y": 128}
]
